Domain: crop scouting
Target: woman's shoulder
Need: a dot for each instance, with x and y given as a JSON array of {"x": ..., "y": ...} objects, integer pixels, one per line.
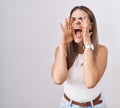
[
  {"x": 102, "y": 53},
  {"x": 102, "y": 49}
]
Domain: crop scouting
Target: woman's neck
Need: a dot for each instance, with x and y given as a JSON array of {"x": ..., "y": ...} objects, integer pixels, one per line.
[{"x": 80, "y": 48}]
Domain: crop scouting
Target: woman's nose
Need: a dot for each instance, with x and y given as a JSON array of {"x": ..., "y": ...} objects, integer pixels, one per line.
[{"x": 77, "y": 22}]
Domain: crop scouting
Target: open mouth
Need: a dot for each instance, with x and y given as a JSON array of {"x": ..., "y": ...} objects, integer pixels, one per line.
[
  {"x": 80, "y": 30},
  {"x": 77, "y": 30},
  {"x": 78, "y": 33}
]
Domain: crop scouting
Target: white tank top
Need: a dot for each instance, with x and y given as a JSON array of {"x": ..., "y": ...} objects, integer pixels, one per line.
[{"x": 74, "y": 87}]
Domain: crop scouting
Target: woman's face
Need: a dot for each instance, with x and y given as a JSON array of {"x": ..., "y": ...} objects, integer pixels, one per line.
[{"x": 77, "y": 16}]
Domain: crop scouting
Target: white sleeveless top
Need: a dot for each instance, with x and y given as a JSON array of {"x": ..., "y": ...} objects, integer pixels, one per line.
[{"x": 74, "y": 87}]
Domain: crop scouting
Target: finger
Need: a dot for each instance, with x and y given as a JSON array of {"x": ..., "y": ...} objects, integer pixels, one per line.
[
  {"x": 70, "y": 23},
  {"x": 62, "y": 28},
  {"x": 66, "y": 23},
  {"x": 90, "y": 33},
  {"x": 88, "y": 23},
  {"x": 82, "y": 23},
  {"x": 87, "y": 20}
]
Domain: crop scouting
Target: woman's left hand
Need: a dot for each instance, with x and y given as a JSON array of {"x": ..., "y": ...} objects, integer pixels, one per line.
[{"x": 86, "y": 27}]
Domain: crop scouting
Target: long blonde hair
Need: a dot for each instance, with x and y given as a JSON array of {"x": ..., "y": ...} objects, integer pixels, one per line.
[{"x": 72, "y": 49}]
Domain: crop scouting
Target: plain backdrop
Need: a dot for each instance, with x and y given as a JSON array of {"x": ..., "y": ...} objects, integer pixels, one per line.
[{"x": 29, "y": 34}]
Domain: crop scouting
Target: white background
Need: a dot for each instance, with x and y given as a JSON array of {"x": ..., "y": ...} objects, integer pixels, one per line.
[{"x": 29, "y": 34}]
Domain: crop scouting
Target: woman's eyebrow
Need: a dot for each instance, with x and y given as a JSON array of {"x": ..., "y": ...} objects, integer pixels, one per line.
[
  {"x": 72, "y": 17},
  {"x": 82, "y": 17}
]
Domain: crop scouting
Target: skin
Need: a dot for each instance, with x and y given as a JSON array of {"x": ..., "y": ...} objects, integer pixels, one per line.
[{"x": 93, "y": 69}]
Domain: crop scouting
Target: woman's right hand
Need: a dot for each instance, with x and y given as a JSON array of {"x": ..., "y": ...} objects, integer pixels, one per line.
[{"x": 67, "y": 31}]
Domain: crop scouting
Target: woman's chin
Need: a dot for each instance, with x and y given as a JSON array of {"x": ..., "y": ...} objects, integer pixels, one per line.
[{"x": 77, "y": 41}]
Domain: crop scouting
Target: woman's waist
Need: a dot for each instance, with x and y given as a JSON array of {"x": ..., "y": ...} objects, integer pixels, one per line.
[{"x": 82, "y": 95}]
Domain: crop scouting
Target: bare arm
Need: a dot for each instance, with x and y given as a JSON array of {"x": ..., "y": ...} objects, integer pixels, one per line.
[
  {"x": 94, "y": 68},
  {"x": 59, "y": 68}
]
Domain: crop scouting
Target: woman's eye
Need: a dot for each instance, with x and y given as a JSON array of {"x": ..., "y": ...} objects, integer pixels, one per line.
[
  {"x": 73, "y": 19},
  {"x": 81, "y": 18}
]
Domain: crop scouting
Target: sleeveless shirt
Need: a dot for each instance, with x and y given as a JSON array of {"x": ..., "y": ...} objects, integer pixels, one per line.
[{"x": 74, "y": 86}]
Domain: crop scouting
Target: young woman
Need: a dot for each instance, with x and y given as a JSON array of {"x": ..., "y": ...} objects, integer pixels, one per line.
[{"x": 80, "y": 61}]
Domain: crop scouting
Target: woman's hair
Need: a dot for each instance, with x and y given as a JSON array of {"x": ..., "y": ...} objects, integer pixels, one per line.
[{"x": 72, "y": 49}]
